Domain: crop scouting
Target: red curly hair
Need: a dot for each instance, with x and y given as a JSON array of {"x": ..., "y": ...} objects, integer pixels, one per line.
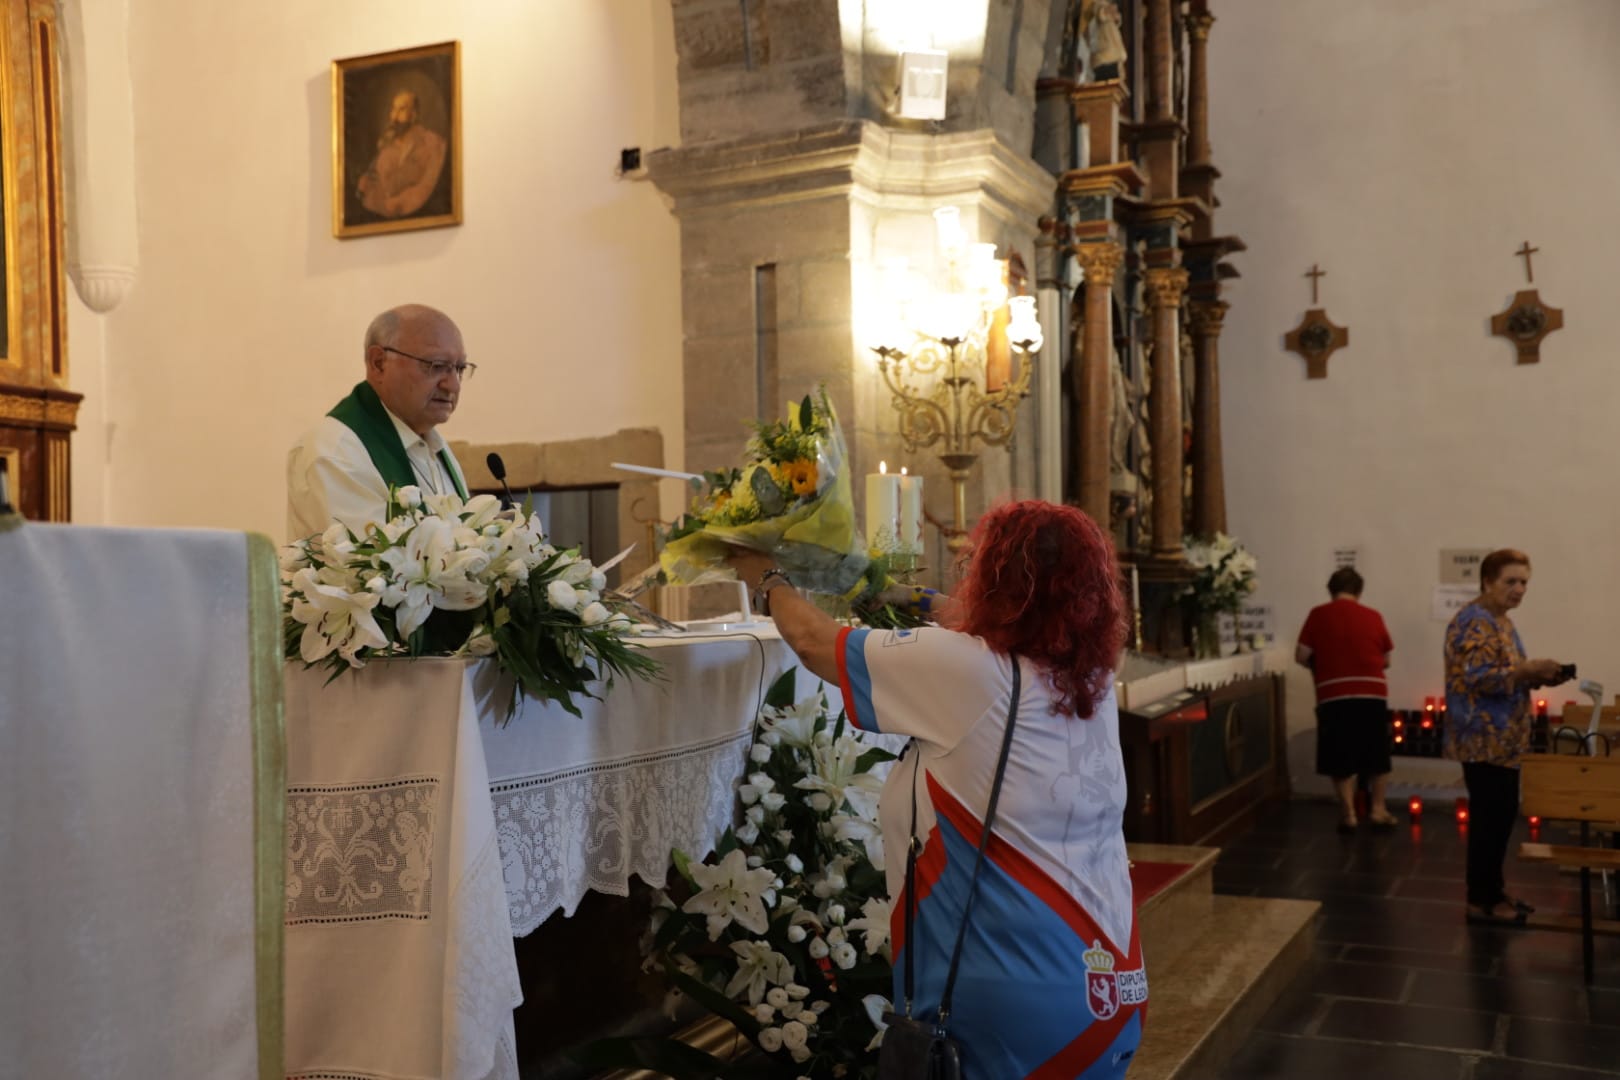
[{"x": 1043, "y": 584}]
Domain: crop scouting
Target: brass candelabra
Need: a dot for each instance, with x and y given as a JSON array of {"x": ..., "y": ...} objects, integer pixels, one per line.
[{"x": 956, "y": 410}]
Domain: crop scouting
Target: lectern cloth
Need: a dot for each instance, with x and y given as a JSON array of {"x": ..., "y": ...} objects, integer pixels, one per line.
[
  {"x": 399, "y": 950},
  {"x": 139, "y": 723}
]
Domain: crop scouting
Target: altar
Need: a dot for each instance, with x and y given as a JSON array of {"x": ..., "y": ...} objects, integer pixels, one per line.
[
  {"x": 1204, "y": 742},
  {"x": 418, "y": 846}
]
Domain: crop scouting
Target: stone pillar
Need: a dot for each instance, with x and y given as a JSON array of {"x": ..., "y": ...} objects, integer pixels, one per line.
[
  {"x": 1166, "y": 284},
  {"x": 1208, "y": 474},
  {"x": 1093, "y": 389},
  {"x": 781, "y": 237}
]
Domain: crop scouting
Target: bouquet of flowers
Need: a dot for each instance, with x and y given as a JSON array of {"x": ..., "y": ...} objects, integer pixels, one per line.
[
  {"x": 792, "y": 499},
  {"x": 1226, "y": 573},
  {"x": 447, "y": 578},
  {"x": 1225, "y": 577},
  {"x": 784, "y": 931}
]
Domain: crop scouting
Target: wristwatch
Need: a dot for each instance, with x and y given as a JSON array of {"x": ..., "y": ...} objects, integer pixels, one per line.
[{"x": 768, "y": 580}]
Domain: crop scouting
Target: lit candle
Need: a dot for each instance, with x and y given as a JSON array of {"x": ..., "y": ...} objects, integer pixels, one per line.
[
  {"x": 882, "y": 509},
  {"x": 911, "y": 514}
]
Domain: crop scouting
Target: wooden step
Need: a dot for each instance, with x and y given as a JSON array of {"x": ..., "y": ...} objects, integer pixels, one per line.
[{"x": 1203, "y": 1003}]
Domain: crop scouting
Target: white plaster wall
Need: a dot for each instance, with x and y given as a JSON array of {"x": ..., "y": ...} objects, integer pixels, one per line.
[
  {"x": 247, "y": 318},
  {"x": 1409, "y": 147}
]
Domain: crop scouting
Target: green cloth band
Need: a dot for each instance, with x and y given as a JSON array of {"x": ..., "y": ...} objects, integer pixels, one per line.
[{"x": 363, "y": 413}]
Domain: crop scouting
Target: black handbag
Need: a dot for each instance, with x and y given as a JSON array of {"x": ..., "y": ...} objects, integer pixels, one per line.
[{"x": 915, "y": 1049}]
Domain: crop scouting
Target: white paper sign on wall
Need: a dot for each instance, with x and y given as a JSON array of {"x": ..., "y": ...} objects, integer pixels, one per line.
[
  {"x": 1346, "y": 555},
  {"x": 1254, "y": 620},
  {"x": 1460, "y": 566},
  {"x": 1450, "y": 599}
]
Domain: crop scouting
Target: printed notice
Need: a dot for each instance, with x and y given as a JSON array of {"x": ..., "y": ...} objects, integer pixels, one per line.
[
  {"x": 1346, "y": 555},
  {"x": 1460, "y": 566},
  {"x": 1450, "y": 599},
  {"x": 1254, "y": 622}
]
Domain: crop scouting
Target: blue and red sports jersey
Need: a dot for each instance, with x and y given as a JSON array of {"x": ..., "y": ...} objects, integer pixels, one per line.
[{"x": 1051, "y": 981}]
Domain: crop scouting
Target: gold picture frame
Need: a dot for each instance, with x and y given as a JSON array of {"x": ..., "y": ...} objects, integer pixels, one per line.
[{"x": 396, "y": 141}]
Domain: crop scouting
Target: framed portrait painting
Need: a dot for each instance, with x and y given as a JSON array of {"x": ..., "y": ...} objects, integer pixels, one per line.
[{"x": 396, "y": 140}]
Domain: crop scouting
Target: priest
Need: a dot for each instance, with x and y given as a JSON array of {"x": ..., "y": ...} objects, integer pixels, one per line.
[{"x": 384, "y": 434}]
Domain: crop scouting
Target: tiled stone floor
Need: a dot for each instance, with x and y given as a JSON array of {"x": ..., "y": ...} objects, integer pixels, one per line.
[{"x": 1399, "y": 985}]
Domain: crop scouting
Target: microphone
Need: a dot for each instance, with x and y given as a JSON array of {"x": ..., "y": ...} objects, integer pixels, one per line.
[{"x": 497, "y": 469}]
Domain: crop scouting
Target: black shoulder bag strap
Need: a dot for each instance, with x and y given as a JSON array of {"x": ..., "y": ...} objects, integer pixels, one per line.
[{"x": 978, "y": 862}]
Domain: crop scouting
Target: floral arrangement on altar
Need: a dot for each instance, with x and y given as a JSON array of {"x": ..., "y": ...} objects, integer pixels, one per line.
[
  {"x": 1225, "y": 576},
  {"x": 791, "y": 498},
  {"x": 444, "y": 577},
  {"x": 784, "y": 930}
]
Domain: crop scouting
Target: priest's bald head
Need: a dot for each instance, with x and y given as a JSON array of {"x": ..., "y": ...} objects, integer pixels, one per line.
[{"x": 416, "y": 362}]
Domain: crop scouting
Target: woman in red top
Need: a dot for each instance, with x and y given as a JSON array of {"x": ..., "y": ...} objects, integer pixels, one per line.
[{"x": 1347, "y": 647}]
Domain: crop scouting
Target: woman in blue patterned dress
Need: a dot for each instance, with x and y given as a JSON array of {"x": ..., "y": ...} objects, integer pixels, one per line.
[{"x": 1488, "y": 684}]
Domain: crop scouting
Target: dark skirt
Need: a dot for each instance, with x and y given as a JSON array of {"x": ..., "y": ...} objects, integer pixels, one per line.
[{"x": 1352, "y": 737}]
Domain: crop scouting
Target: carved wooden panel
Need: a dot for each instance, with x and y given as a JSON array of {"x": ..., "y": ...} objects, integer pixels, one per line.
[{"x": 38, "y": 411}]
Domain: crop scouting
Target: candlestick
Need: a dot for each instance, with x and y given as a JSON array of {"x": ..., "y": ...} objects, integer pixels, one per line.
[
  {"x": 882, "y": 510},
  {"x": 1136, "y": 608},
  {"x": 911, "y": 513}
]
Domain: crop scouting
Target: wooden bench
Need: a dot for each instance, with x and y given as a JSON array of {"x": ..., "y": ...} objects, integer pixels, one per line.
[{"x": 1558, "y": 787}]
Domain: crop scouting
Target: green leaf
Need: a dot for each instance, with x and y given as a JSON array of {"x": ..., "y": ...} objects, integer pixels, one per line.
[
  {"x": 807, "y": 414},
  {"x": 872, "y": 757},
  {"x": 780, "y": 695}
]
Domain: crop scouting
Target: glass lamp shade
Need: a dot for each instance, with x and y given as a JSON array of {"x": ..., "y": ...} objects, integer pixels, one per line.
[{"x": 1022, "y": 325}]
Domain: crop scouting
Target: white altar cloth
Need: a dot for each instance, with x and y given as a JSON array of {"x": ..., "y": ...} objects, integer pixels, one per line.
[
  {"x": 140, "y": 724},
  {"x": 409, "y": 793},
  {"x": 584, "y": 803}
]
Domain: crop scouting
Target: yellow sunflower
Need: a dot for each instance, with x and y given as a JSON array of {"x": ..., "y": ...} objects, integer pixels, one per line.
[{"x": 802, "y": 476}]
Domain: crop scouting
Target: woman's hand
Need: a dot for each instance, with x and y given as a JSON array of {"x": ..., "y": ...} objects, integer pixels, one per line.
[
  {"x": 1538, "y": 672},
  {"x": 749, "y": 565}
]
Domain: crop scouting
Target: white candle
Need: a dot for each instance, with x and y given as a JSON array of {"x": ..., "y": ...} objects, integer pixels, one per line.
[
  {"x": 1136, "y": 592},
  {"x": 882, "y": 509},
  {"x": 911, "y": 514}
]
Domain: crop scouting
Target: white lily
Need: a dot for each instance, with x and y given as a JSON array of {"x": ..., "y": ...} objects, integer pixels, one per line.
[
  {"x": 447, "y": 505},
  {"x": 335, "y": 619},
  {"x": 795, "y": 724},
  {"x": 480, "y": 510},
  {"x": 864, "y": 831},
  {"x": 874, "y": 922},
  {"x": 758, "y": 966},
  {"x": 835, "y": 775},
  {"x": 429, "y": 571},
  {"x": 730, "y": 891}
]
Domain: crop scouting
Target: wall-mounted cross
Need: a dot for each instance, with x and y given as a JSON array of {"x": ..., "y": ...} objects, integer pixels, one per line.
[
  {"x": 1314, "y": 274},
  {"x": 1528, "y": 251}
]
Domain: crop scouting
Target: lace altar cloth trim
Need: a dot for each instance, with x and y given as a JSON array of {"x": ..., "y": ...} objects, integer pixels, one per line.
[
  {"x": 590, "y": 828},
  {"x": 361, "y": 851}
]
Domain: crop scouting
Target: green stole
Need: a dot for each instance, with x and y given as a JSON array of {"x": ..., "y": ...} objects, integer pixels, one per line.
[{"x": 363, "y": 413}]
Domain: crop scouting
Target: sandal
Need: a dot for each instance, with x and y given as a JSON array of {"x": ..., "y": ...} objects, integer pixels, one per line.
[
  {"x": 1517, "y": 905},
  {"x": 1347, "y": 826},
  {"x": 1491, "y": 915},
  {"x": 1383, "y": 824}
]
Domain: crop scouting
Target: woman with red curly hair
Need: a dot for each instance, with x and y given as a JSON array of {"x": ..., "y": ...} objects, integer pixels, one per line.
[{"x": 1050, "y": 980}]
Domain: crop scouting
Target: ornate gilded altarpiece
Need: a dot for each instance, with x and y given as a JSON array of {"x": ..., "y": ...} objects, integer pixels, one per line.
[{"x": 37, "y": 410}]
